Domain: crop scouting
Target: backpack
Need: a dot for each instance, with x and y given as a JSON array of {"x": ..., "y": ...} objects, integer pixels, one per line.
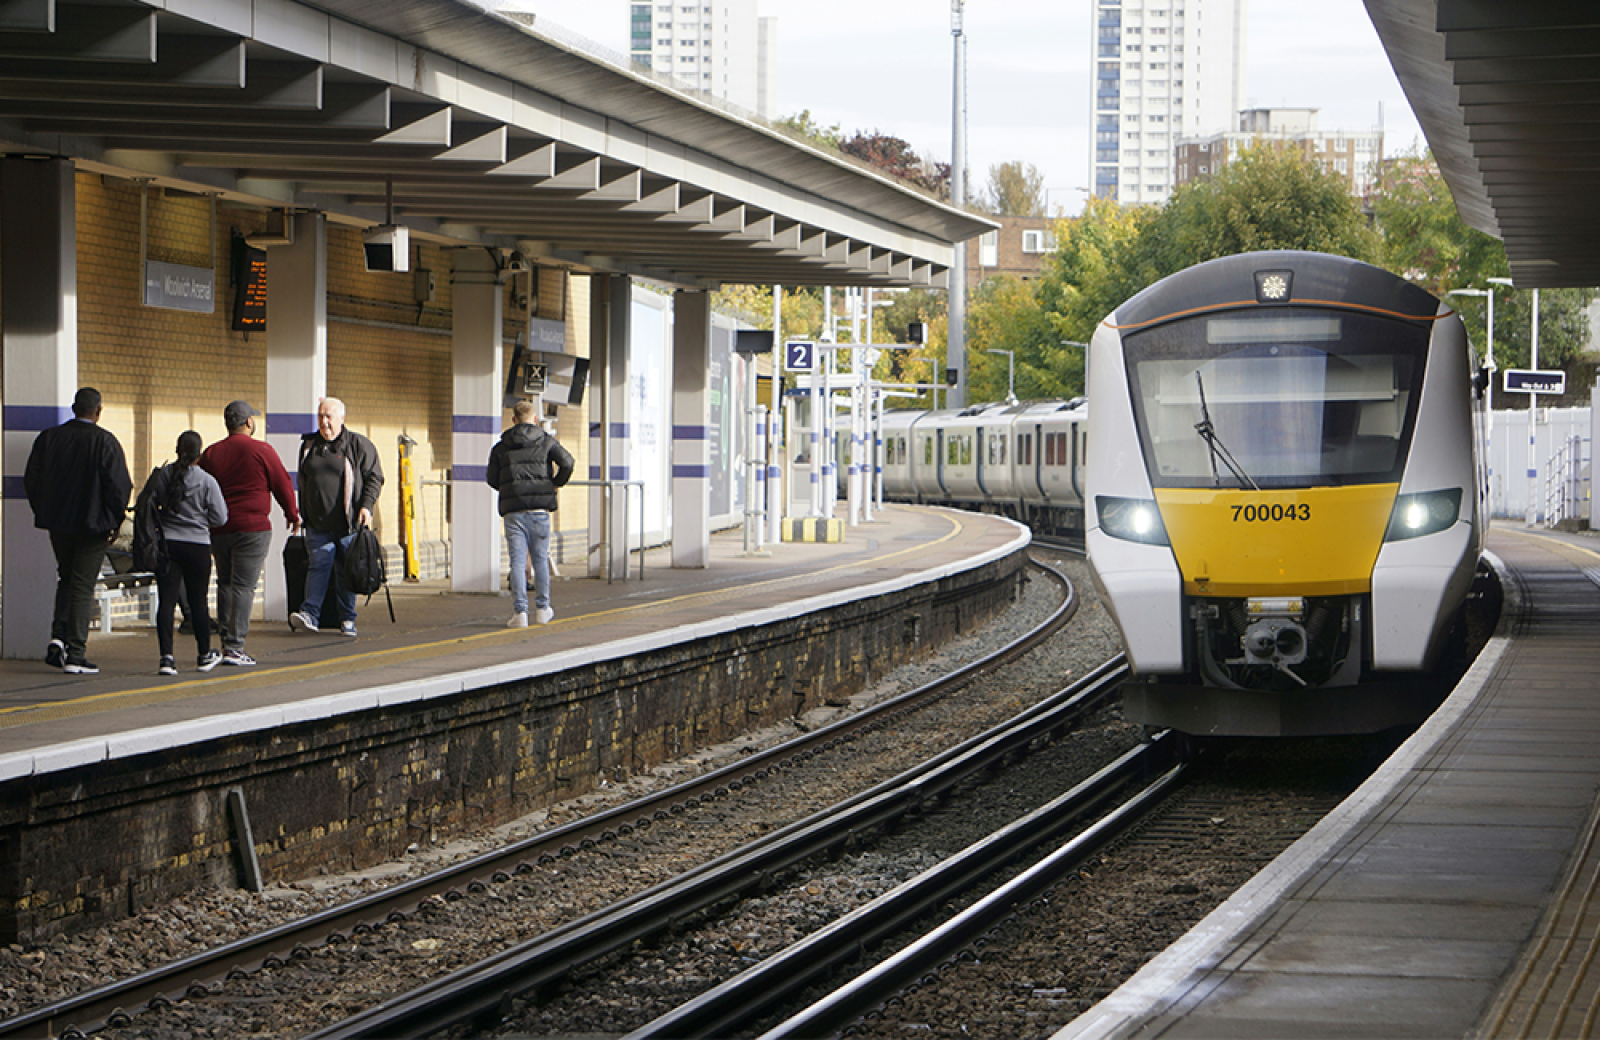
[
  {"x": 149, "y": 542},
  {"x": 363, "y": 563}
]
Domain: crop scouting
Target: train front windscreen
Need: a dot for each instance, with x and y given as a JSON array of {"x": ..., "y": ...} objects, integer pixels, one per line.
[{"x": 1276, "y": 400}]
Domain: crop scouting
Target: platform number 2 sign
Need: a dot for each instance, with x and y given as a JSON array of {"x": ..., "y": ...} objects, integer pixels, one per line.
[{"x": 800, "y": 356}]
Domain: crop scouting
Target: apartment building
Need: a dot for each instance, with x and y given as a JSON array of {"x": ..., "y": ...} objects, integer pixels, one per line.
[
  {"x": 1164, "y": 70},
  {"x": 1355, "y": 156},
  {"x": 724, "y": 49}
]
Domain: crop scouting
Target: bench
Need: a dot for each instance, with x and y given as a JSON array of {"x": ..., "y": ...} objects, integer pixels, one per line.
[{"x": 119, "y": 582}]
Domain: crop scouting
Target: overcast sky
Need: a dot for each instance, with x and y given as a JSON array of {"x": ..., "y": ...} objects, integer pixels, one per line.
[{"x": 886, "y": 65}]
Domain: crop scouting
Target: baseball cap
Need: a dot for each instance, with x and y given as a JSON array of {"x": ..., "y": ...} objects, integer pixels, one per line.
[{"x": 236, "y": 413}]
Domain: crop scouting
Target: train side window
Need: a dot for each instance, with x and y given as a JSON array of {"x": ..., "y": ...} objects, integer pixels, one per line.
[
  {"x": 1024, "y": 449},
  {"x": 927, "y": 451},
  {"x": 966, "y": 451}
]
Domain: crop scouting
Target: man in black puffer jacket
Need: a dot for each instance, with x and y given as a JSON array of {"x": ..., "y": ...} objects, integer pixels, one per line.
[{"x": 526, "y": 466}]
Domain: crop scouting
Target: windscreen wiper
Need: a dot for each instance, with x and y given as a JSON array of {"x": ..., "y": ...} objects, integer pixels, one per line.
[{"x": 1208, "y": 433}]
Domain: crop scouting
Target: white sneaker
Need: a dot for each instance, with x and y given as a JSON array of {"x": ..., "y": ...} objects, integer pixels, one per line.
[
  {"x": 544, "y": 615},
  {"x": 518, "y": 620}
]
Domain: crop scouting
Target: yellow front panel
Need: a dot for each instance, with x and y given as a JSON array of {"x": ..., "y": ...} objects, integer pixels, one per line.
[{"x": 1302, "y": 542}]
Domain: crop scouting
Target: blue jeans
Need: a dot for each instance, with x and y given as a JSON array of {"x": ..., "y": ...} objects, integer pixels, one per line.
[
  {"x": 326, "y": 552},
  {"x": 528, "y": 534}
]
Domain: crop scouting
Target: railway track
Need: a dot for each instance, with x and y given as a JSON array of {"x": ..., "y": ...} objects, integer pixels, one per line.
[
  {"x": 116, "y": 1003},
  {"x": 476, "y": 999}
]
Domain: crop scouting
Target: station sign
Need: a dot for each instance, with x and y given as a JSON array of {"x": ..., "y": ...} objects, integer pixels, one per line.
[
  {"x": 799, "y": 356},
  {"x": 1535, "y": 381}
]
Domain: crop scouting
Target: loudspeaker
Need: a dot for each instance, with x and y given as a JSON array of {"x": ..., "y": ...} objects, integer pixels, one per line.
[{"x": 388, "y": 248}]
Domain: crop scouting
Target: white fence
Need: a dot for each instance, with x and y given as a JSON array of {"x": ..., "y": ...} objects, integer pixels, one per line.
[{"x": 1564, "y": 440}]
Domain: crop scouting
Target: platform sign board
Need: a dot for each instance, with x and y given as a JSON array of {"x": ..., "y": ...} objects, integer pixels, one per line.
[
  {"x": 1535, "y": 381},
  {"x": 179, "y": 287},
  {"x": 799, "y": 356}
]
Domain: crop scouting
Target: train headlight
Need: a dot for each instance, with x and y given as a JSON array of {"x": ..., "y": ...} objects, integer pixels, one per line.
[
  {"x": 1131, "y": 519},
  {"x": 1428, "y": 513}
]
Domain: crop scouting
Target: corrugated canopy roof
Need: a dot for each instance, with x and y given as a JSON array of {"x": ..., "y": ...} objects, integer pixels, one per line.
[
  {"x": 468, "y": 127},
  {"x": 1508, "y": 95}
]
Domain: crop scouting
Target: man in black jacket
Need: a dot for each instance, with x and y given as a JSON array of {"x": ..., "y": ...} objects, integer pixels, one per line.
[
  {"x": 78, "y": 485},
  {"x": 340, "y": 477},
  {"x": 526, "y": 466}
]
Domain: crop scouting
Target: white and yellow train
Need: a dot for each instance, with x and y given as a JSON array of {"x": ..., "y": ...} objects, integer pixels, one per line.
[
  {"x": 1276, "y": 476},
  {"x": 1284, "y": 498}
]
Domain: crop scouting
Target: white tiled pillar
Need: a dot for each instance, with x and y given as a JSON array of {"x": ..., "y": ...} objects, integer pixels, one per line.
[{"x": 39, "y": 330}]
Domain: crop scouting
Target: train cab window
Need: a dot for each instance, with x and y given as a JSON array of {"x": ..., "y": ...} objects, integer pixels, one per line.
[{"x": 1276, "y": 399}]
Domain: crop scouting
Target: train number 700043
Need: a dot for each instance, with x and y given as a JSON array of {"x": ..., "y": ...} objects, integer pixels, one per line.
[{"x": 1275, "y": 513}]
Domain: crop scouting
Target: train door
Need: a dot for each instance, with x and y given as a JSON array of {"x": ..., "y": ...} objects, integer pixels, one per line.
[
  {"x": 1080, "y": 450},
  {"x": 938, "y": 462},
  {"x": 982, "y": 463},
  {"x": 1035, "y": 460}
]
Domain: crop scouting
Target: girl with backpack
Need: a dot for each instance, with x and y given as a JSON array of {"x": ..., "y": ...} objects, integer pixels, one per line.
[{"x": 189, "y": 503}]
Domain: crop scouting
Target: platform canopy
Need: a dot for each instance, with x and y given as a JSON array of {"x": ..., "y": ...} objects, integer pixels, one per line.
[
  {"x": 1508, "y": 94},
  {"x": 465, "y": 126}
]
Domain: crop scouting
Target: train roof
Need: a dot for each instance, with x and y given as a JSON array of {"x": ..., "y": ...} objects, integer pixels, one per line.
[{"x": 1275, "y": 278}]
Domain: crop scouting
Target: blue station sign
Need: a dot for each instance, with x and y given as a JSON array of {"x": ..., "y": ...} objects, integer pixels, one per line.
[{"x": 1535, "y": 381}]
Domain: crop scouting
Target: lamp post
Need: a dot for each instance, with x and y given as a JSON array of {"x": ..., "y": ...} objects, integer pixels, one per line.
[
  {"x": 1531, "y": 515},
  {"x": 956, "y": 334},
  {"x": 1488, "y": 389},
  {"x": 1011, "y": 372}
]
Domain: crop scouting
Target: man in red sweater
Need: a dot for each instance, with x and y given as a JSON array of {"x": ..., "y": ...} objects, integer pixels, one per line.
[{"x": 251, "y": 475}]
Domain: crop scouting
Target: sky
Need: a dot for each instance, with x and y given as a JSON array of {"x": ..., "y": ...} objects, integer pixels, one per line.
[{"x": 885, "y": 65}]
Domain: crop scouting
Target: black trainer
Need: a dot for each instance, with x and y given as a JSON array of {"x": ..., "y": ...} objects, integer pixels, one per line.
[
  {"x": 55, "y": 655},
  {"x": 80, "y": 666}
]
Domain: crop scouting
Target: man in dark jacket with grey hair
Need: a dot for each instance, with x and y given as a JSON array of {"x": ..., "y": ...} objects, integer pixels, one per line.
[
  {"x": 526, "y": 466},
  {"x": 78, "y": 485}
]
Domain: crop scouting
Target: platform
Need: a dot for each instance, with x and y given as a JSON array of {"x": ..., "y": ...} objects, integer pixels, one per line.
[
  {"x": 442, "y": 641},
  {"x": 1452, "y": 895}
]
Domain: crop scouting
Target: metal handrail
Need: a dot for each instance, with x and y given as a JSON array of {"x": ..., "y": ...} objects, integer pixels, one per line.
[
  {"x": 605, "y": 528},
  {"x": 1563, "y": 483}
]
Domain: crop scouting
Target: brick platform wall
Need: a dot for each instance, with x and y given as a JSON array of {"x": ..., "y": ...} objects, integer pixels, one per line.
[{"x": 101, "y": 842}]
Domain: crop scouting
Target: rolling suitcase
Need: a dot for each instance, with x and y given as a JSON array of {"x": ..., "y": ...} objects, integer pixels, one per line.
[{"x": 296, "y": 562}]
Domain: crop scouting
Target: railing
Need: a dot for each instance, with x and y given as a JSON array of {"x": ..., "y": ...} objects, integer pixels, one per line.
[
  {"x": 1565, "y": 488},
  {"x": 604, "y": 545}
]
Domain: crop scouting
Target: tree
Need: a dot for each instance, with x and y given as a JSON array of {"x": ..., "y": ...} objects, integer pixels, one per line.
[
  {"x": 1425, "y": 239},
  {"x": 894, "y": 156},
  {"x": 1015, "y": 189},
  {"x": 808, "y": 129},
  {"x": 1266, "y": 199}
]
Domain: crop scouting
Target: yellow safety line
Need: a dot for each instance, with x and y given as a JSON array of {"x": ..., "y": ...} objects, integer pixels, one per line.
[
  {"x": 399, "y": 655},
  {"x": 1548, "y": 540}
]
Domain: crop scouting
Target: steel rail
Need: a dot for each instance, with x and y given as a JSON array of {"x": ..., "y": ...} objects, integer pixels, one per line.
[
  {"x": 476, "y": 997},
  {"x": 117, "y": 1002},
  {"x": 733, "y": 1007}
]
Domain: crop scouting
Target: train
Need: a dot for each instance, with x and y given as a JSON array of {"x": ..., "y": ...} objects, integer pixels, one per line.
[
  {"x": 1023, "y": 460},
  {"x": 1277, "y": 476}
]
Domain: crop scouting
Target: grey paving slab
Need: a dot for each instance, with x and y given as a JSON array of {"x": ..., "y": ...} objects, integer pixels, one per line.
[{"x": 440, "y": 637}]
